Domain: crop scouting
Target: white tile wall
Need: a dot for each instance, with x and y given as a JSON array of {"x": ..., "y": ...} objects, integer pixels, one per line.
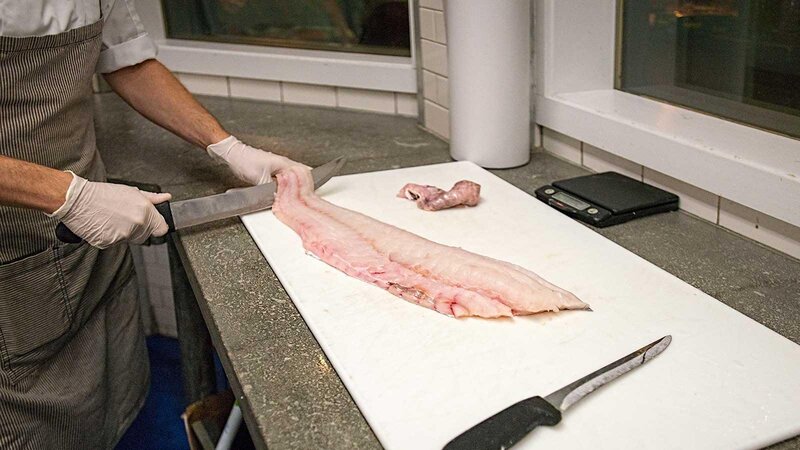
[
  {"x": 255, "y": 89},
  {"x": 694, "y": 200},
  {"x": 561, "y": 145},
  {"x": 205, "y": 84},
  {"x": 437, "y": 119},
  {"x": 442, "y": 91},
  {"x": 309, "y": 94},
  {"x": 759, "y": 227},
  {"x": 434, "y": 57},
  {"x": 429, "y": 86},
  {"x": 432, "y": 4},
  {"x": 601, "y": 161},
  {"x": 165, "y": 320},
  {"x": 145, "y": 308},
  {"x": 431, "y": 25},
  {"x": 433, "y": 49},
  {"x": 153, "y": 276},
  {"x": 752, "y": 224},
  {"x": 377, "y": 101},
  {"x": 406, "y": 104},
  {"x": 427, "y": 24},
  {"x": 384, "y": 102},
  {"x": 440, "y": 34},
  {"x": 158, "y": 273}
]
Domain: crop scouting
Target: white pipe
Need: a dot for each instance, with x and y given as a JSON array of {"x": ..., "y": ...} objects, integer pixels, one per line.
[{"x": 231, "y": 427}]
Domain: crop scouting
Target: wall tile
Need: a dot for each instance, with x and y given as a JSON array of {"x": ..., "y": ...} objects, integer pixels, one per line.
[
  {"x": 429, "y": 85},
  {"x": 441, "y": 31},
  {"x": 432, "y": 4},
  {"x": 309, "y": 94},
  {"x": 157, "y": 297},
  {"x": 406, "y": 104},
  {"x": 165, "y": 322},
  {"x": 694, "y": 200},
  {"x": 255, "y": 89},
  {"x": 158, "y": 273},
  {"x": 601, "y": 161},
  {"x": 769, "y": 231},
  {"x": 159, "y": 276},
  {"x": 366, "y": 100},
  {"x": 168, "y": 330},
  {"x": 434, "y": 57},
  {"x": 437, "y": 119},
  {"x": 561, "y": 145},
  {"x": 205, "y": 84},
  {"x": 442, "y": 91},
  {"x": 161, "y": 253},
  {"x": 427, "y": 24}
]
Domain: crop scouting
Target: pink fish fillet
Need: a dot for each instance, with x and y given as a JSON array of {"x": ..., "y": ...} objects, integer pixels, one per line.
[
  {"x": 446, "y": 279},
  {"x": 431, "y": 198}
]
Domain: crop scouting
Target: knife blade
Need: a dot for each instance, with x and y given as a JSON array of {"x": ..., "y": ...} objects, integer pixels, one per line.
[
  {"x": 509, "y": 426},
  {"x": 236, "y": 202}
]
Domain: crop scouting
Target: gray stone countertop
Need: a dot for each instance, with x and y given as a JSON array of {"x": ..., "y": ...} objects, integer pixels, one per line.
[{"x": 291, "y": 396}]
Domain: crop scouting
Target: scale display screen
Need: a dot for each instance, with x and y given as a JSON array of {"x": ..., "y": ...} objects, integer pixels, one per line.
[{"x": 571, "y": 201}]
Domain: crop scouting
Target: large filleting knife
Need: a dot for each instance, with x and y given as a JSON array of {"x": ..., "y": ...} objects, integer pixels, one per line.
[
  {"x": 237, "y": 202},
  {"x": 510, "y": 425}
]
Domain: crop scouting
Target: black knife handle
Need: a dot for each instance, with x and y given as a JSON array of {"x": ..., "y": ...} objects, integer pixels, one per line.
[
  {"x": 64, "y": 234},
  {"x": 507, "y": 427},
  {"x": 164, "y": 209}
]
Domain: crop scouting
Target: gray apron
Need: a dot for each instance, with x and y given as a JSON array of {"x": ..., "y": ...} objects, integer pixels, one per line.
[{"x": 73, "y": 364}]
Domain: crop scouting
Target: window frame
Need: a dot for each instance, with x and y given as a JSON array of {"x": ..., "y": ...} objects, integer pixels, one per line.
[
  {"x": 575, "y": 57},
  {"x": 320, "y": 67}
]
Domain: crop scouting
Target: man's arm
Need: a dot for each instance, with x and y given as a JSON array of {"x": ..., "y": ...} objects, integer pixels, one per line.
[
  {"x": 153, "y": 91},
  {"x": 31, "y": 185},
  {"x": 101, "y": 213}
]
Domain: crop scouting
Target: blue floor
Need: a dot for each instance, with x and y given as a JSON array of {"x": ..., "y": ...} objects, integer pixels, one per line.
[{"x": 159, "y": 424}]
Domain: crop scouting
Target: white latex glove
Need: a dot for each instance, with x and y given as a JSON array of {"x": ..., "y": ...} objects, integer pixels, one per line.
[
  {"x": 106, "y": 213},
  {"x": 248, "y": 163}
]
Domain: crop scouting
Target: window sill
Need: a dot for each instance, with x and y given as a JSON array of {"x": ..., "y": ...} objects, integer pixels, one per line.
[
  {"x": 753, "y": 167},
  {"x": 354, "y": 70}
]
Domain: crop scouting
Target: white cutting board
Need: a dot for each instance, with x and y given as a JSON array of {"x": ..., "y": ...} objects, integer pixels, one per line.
[{"x": 421, "y": 378}]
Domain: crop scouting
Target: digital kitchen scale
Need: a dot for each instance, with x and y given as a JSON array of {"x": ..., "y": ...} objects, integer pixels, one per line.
[{"x": 607, "y": 198}]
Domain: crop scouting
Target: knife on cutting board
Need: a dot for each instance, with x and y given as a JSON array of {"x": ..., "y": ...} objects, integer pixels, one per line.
[
  {"x": 236, "y": 202},
  {"x": 509, "y": 426}
]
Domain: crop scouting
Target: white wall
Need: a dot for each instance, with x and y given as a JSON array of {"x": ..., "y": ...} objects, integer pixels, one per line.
[
  {"x": 582, "y": 53},
  {"x": 726, "y": 213},
  {"x": 375, "y": 83},
  {"x": 433, "y": 48},
  {"x": 155, "y": 289},
  {"x": 384, "y": 102}
]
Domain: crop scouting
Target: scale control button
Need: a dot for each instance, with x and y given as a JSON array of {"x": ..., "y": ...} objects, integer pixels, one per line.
[
  {"x": 549, "y": 191},
  {"x": 592, "y": 211}
]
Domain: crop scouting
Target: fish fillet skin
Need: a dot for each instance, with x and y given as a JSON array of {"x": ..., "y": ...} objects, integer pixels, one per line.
[
  {"x": 431, "y": 198},
  {"x": 446, "y": 279}
]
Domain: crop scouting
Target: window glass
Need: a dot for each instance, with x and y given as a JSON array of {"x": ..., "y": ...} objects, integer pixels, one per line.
[
  {"x": 739, "y": 59},
  {"x": 364, "y": 26}
]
